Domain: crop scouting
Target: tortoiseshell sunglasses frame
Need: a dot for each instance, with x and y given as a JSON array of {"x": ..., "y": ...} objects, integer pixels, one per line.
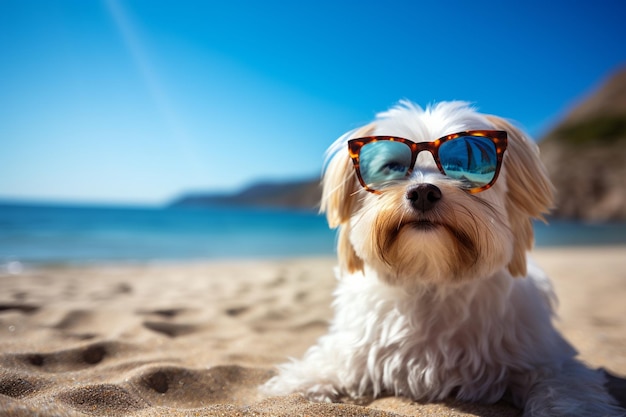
[{"x": 498, "y": 137}]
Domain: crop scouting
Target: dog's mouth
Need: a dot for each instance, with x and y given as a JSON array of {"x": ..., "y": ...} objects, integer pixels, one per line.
[{"x": 424, "y": 225}]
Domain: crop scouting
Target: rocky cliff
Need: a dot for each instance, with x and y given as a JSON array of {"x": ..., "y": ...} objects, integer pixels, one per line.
[{"x": 585, "y": 154}]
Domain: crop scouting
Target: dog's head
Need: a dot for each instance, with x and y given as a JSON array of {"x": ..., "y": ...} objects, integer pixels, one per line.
[{"x": 440, "y": 195}]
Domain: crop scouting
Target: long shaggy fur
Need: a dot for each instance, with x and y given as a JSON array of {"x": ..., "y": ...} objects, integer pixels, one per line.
[{"x": 452, "y": 309}]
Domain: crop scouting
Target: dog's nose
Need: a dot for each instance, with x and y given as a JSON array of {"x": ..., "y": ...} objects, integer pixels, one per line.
[{"x": 424, "y": 197}]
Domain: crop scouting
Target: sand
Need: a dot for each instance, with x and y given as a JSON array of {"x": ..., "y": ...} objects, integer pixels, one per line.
[{"x": 196, "y": 339}]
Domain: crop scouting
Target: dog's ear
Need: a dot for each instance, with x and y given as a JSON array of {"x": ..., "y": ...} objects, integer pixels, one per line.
[
  {"x": 339, "y": 186},
  {"x": 530, "y": 192}
]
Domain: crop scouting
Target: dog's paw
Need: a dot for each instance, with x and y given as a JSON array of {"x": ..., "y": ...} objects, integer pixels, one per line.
[
  {"x": 313, "y": 391},
  {"x": 322, "y": 393}
]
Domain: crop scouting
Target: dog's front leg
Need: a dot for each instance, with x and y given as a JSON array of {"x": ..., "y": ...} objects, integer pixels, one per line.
[{"x": 321, "y": 376}]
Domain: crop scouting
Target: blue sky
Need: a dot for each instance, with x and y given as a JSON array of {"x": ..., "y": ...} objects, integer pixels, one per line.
[{"x": 139, "y": 101}]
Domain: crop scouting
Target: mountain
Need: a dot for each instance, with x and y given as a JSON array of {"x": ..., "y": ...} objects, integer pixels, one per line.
[
  {"x": 585, "y": 154},
  {"x": 303, "y": 195}
]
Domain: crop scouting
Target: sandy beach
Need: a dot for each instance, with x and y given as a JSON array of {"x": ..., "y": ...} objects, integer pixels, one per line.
[{"x": 196, "y": 339}]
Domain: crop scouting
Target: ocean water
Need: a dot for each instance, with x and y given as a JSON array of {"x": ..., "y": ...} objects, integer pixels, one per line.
[{"x": 36, "y": 234}]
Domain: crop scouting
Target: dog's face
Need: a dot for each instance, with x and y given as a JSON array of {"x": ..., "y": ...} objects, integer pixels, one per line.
[{"x": 429, "y": 226}]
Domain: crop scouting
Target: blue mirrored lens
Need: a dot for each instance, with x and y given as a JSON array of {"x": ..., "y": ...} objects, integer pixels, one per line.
[
  {"x": 471, "y": 159},
  {"x": 383, "y": 161}
]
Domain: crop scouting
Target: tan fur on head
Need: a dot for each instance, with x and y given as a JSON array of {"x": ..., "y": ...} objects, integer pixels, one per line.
[
  {"x": 338, "y": 201},
  {"x": 530, "y": 192},
  {"x": 339, "y": 184},
  {"x": 529, "y": 195}
]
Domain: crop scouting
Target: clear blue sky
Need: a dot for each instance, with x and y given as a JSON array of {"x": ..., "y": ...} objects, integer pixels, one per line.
[{"x": 139, "y": 101}]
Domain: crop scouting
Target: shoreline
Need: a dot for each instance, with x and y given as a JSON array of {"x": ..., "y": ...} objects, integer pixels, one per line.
[
  {"x": 104, "y": 263},
  {"x": 180, "y": 338}
]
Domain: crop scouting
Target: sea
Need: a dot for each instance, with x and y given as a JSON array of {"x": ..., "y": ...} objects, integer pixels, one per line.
[{"x": 36, "y": 234}]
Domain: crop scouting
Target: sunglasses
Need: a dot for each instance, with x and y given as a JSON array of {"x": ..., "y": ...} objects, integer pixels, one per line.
[{"x": 473, "y": 158}]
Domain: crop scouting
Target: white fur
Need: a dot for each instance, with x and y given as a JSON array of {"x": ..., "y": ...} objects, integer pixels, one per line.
[{"x": 414, "y": 316}]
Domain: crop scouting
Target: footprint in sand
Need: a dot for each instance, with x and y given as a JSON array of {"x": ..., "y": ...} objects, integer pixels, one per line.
[
  {"x": 71, "y": 359},
  {"x": 83, "y": 324},
  {"x": 162, "y": 323},
  {"x": 170, "y": 329},
  {"x": 17, "y": 386},
  {"x": 190, "y": 388},
  {"x": 236, "y": 311},
  {"x": 21, "y": 307},
  {"x": 163, "y": 312},
  {"x": 103, "y": 400}
]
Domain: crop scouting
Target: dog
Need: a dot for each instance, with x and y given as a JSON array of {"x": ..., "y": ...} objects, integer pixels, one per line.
[{"x": 436, "y": 295}]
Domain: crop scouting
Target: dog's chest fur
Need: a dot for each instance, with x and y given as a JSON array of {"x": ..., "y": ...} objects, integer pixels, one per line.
[{"x": 431, "y": 343}]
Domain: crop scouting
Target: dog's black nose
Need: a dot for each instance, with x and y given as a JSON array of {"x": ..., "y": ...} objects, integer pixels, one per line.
[{"x": 424, "y": 197}]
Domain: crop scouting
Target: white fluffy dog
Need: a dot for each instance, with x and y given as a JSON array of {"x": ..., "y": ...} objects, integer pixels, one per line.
[{"x": 436, "y": 297}]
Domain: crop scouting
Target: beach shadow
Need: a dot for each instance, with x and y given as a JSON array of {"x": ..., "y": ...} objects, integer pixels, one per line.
[{"x": 617, "y": 387}]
